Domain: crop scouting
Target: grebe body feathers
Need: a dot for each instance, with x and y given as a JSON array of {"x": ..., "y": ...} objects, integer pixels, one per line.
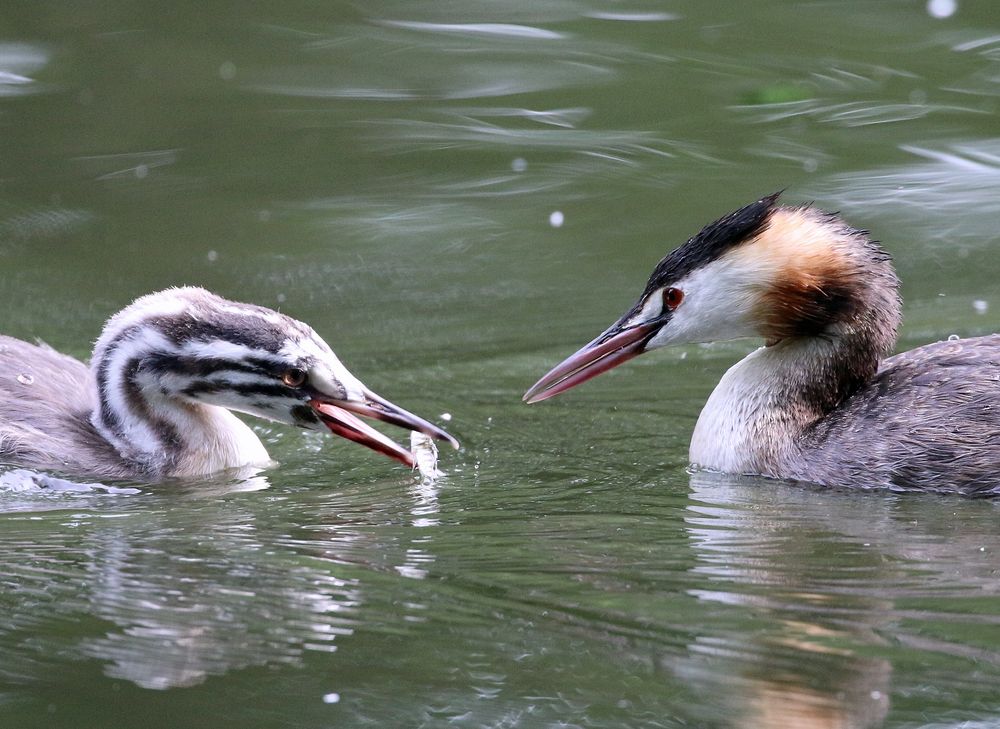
[
  {"x": 821, "y": 401},
  {"x": 166, "y": 371}
]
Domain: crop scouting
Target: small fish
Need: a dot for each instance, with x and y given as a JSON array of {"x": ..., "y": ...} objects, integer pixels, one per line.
[{"x": 425, "y": 455}]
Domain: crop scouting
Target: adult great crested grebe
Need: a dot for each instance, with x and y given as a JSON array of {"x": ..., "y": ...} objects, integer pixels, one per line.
[
  {"x": 164, "y": 375},
  {"x": 817, "y": 402}
]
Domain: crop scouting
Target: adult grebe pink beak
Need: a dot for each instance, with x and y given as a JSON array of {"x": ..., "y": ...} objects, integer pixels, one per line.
[{"x": 619, "y": 343}]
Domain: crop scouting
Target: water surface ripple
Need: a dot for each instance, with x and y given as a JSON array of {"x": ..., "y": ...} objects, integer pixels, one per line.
[{"x": 457, "y": 196}]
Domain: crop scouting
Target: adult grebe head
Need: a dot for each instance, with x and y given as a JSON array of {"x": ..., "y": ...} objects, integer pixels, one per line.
[{"x": 766, "y": 271}]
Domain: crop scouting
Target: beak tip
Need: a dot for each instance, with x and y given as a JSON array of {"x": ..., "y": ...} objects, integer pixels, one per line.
[
  {"x": 533, "y": 394},
  {"x": 541, "y": 390}
]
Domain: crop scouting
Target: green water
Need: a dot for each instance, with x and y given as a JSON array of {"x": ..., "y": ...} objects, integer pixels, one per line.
[{"x": 387, "y": 171}]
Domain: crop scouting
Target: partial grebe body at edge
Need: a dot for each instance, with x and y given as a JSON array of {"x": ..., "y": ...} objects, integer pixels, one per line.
[
  {"x": 821, "y": 401},
  {"x": 166, "y": 371}
]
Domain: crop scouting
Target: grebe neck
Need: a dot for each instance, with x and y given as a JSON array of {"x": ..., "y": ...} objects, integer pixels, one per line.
[
  {"x": 754, "y": 418},
  {"x": 140, "y": 414}
]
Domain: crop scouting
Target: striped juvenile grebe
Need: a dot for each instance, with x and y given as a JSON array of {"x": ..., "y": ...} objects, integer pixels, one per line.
[
  {"x": 164, "y": 375},
  {"x": 817, "y": 402}
]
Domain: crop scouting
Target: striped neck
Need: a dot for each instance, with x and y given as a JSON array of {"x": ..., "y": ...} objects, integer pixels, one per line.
[
  {"x": 168, "y": 369},
  {"x": 152, "y": 428}
]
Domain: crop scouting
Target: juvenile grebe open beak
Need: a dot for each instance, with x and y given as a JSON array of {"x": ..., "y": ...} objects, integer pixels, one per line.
[
  {"x": 619, "y": 343},
  {"x": 338, "y": 416}
]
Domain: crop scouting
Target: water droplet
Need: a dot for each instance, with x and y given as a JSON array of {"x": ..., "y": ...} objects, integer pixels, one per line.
[
  {"x": 213, "y": 256},
  {"x": 227, "y": 71},
  {"x": 556, "y": 219},
  {"x": 331, "y": 698},
  {"x": 26, "y": 379},
  {"x": 519, "y": 164},
  {"x": 141, "y": 171},
  {"x": 446, "y": 416},
  {"x": 810, "y": 165},
  {"x": 941, "y": 8},
  {"x": 980, "y": 306}
]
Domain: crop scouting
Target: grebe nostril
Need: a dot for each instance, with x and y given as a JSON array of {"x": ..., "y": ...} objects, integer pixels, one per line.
[
  {"x": 822, "y": 401},
  {"x": 165, "y": 373}
]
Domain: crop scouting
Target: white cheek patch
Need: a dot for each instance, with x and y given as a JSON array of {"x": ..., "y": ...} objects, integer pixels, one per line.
[{"x": 716, "y": 306}]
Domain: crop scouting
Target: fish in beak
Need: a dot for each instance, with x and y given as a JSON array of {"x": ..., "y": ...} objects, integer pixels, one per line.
[
  {"x": 340, "y": 418},
  {"x": 337, "y": 397}
]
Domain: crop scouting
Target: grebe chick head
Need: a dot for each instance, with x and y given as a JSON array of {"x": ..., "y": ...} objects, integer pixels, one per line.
[
  {"x": 165, "y": 365},
  {"x": 780, "y": 273}
]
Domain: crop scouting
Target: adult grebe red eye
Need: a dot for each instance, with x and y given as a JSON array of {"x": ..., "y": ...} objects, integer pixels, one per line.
[{"x": 672, "y": 298}]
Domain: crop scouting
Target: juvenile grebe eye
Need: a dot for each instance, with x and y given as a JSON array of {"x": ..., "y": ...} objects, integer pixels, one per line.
[
  {"x": 294, "y": 377},
  {"x": 672, "y": 298}
]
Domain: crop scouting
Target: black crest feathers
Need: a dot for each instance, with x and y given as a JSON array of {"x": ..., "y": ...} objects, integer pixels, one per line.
[{"x": 713, "y": 240}]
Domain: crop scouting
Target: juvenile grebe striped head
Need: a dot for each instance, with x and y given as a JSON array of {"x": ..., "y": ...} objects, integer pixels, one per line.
[
  {"x": 761, "y": 271},
  {"x": 164, "y": 367}
]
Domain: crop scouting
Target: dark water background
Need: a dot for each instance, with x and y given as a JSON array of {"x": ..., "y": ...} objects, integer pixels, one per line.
[{"x": 388, "y": 172}]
